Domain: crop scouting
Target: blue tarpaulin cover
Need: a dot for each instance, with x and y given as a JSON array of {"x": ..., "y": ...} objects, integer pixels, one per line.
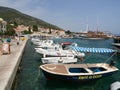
[{"x": 92, "y": 50}]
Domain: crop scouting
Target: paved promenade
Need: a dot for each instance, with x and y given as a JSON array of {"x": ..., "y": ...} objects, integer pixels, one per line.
[{"x": 9, "y": 64}]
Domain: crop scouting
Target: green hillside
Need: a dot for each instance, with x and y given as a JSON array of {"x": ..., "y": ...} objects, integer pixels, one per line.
[{"x": 11, "y": 15}]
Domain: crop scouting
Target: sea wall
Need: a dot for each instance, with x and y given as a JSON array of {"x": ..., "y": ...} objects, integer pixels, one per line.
[{"x": 9, "y": 64}]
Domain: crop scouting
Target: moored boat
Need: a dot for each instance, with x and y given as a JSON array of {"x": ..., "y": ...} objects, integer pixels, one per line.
[
  {"x": 58, "y": 53},
  {"x": 116, "y": 43},
  {"x": 77, "y": 72},
  {"x": 81, "y": 72},
  {"x": 67, "y": 59}
]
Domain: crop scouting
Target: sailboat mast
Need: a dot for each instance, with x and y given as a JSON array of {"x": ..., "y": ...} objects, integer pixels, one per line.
[
  {"x": 87, "y": 26},
  {"x": 97, "y": 24}
]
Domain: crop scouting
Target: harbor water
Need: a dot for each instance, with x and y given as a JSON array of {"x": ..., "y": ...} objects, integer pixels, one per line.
[{"x": 30, "y": 77}]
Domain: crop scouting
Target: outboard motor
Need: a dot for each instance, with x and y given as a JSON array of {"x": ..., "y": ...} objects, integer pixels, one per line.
[{"x": 112, "y": 63}]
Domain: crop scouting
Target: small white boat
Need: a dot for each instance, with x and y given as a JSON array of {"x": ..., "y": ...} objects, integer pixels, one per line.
[
  {"x": 55, "y": 60},
  {"x": 35, "y": 40},
  {"x": 58, "y": 53},
  {"x": 49, "y": 46},
  {"x": 43, "y": 43}
]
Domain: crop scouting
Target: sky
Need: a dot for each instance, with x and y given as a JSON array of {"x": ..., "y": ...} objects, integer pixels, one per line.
[{"x": 72, "y": 15}]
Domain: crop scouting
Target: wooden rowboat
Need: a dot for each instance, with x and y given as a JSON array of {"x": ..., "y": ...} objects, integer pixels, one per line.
[{"x": 77, "y": 72}]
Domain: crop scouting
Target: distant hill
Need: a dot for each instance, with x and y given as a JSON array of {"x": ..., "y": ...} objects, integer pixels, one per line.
[{"x": 11, "y": 15}]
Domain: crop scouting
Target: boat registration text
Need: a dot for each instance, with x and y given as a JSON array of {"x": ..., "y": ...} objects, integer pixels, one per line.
[{"x": 90, "y": 77}]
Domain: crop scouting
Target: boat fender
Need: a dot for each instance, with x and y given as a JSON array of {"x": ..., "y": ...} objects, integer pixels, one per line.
[
  {"x": 44, "y": 55},
  {"x": 82, "y": 58},
  {"x": 60, "y": 61}
]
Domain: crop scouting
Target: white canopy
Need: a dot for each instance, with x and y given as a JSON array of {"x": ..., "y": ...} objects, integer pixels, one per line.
[{"x": 92, "y": 50}]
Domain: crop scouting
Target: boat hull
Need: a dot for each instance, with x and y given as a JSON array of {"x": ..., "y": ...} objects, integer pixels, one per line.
[
  {"x": 57, "y": 60},
  {"x": 62, "y": 53},
  {"x": 116, "y": 43}
]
